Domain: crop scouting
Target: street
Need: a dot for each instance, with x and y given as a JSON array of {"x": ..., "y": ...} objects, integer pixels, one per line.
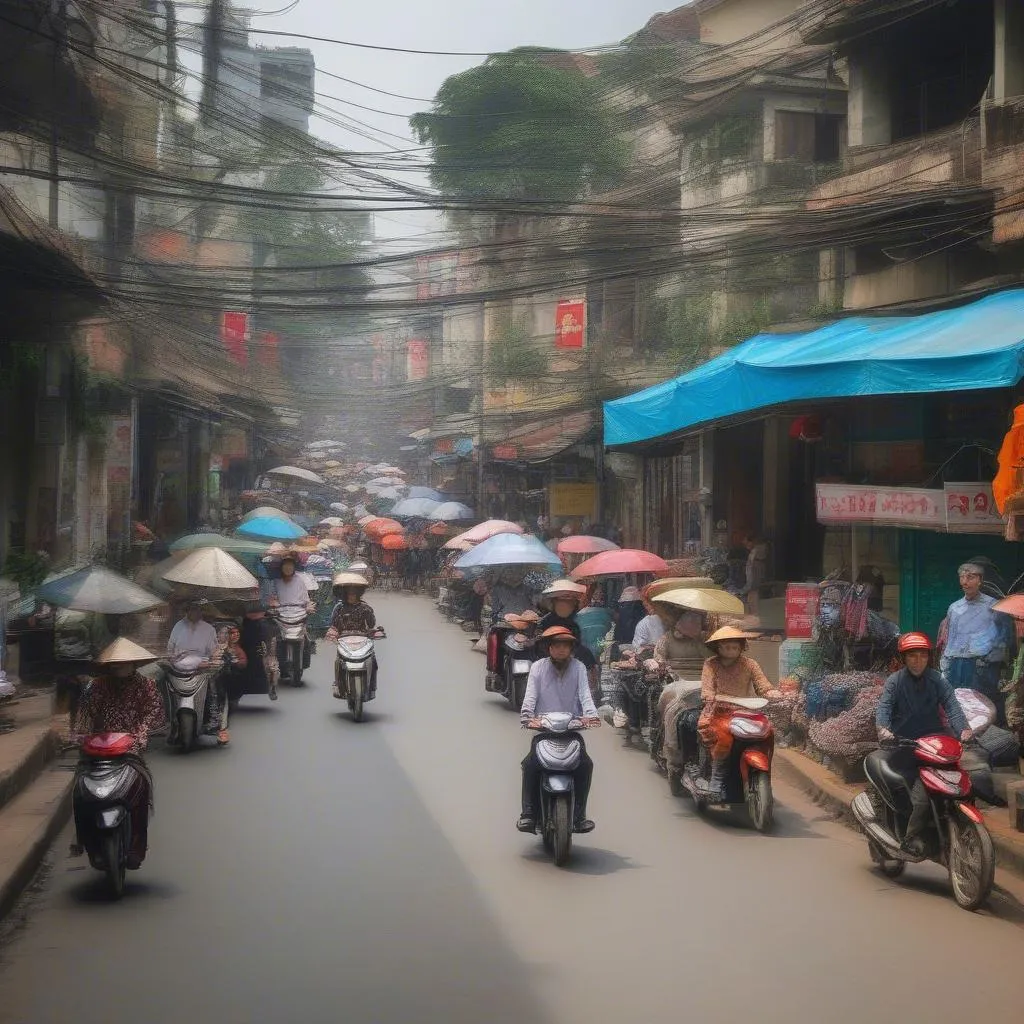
[{"x": 318, "y": 870}]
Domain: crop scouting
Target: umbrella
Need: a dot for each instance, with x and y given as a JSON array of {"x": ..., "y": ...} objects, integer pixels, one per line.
[
  {"x": 385, "y": 481},
  {"x": 295, "y": 473},
  {"x": 414, "y": 508},
  {"x": 275, "y": 529},
  {"x": 438, "y": 529},
  {"x": 425, "y": 492},
  {"x": 508, "y": 549},
  {"x": 352, "y": 488},
  {"x": 332, "y": 464},
  {"x": 382, "y": 527},
  {"x": 459, "y": 543},
  {"x": 490, "y": 528},
  {"x": 332, "y": 521},
  {"x": 264, "y": 512},
  {"x": 1012, "y": 604},
  {"x": 386, "y": 493},
  {"x": 394, "y": 542},
  {"x": 619, "y": 563},
  {"x": 720, "y": 602},
  {"x": 662, "y": 586},
  {"x": 338, "y": 506},
  {"x": 452, "y": 512},
  {"x": 582, "y": 544},
  {"x": 317, "y": 445},
  {"x": 363, "y": 520},
  {"x": 214, "y": 569},
  {"x": 95, "y": 589},
  {"x": 236, "y": 545}
]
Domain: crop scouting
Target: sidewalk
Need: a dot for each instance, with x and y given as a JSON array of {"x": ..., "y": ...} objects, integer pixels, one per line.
[
  {"x": 35, "y": 789},
  {"x": 831, "y": 792}
]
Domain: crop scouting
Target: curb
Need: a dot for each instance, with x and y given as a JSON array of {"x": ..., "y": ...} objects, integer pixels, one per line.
[{"x": 835, "y": 795}]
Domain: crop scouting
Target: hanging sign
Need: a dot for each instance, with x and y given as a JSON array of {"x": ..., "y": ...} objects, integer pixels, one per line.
[
  {"x": 234, "y": 328},
  {"x": 971, "y": 508},
  {"x": 570, "y": 323},
  {"x": 506, "y": 452},
  {"x": 912, "y": 507}
]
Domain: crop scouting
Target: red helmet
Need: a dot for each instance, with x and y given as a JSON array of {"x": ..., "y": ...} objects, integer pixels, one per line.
[{"x": 914, "y": 642}]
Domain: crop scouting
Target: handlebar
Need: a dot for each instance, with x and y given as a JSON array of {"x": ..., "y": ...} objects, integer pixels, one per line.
[{"x": 576, "y": 725}]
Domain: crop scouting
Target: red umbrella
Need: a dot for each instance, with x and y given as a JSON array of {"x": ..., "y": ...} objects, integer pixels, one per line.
[
  {"x": 491, "y": 528},
  {"x": 382, "y": 527},
  {"x": 619, "y": 563},
  {"x": 585, "y": 545},
  {"x": 1011, "y": 605},
  {"x": 394, "y": 542}
]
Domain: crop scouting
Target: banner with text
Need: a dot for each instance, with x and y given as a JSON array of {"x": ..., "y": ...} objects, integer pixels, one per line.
[
  {"x": 912, "y": 507},
  {"x": 971, "y": 508},
  {"x": 570, "y": 323}
]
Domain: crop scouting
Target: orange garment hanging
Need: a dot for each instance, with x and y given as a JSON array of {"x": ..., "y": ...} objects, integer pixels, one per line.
[{"x": 1011, "y": 459}]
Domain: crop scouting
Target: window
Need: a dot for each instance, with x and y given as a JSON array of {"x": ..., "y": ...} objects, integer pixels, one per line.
[{"x": 807, "y": 136}]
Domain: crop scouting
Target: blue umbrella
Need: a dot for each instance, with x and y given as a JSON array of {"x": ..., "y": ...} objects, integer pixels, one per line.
[
  {"x": 95, "y": 589},
  {"x": 274, "y": 529},
  {"x": 426, "y": 492},
  {"x": 508, "y": 549},
  {"x": 409, "y": 508}
]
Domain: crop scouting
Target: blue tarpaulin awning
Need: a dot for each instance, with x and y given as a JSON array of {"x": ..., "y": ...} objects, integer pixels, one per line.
[{"x": 976, "y": 346}]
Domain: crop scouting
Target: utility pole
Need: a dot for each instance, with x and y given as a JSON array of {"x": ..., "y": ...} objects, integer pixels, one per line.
[
  {"x": 60, "y": 22},
  {"x": 480, "y": 423}
]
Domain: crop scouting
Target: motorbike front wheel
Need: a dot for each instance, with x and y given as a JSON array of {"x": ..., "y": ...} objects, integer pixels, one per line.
[
  {"x": 186, "y": 731},
  {"x": 760, "y": 803},
  {"x": 114, "y": 862},
  {"x": 972, "y": 863},
  {"x": 561, "y": 828},
  {"x": 355, "y": 701}
]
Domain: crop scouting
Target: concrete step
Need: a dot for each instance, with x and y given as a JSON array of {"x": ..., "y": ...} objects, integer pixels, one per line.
[
  {"x": 24, "y": 753},
  {"x": 28, "y": 825}
]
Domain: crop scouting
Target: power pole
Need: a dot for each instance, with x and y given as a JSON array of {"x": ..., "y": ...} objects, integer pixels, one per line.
[
  {"x": 480, "y": 424},
  {"x": 59, "y": 36}
]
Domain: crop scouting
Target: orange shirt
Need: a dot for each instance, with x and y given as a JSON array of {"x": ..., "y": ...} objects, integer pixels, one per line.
[{"x": 743, "y": 678}]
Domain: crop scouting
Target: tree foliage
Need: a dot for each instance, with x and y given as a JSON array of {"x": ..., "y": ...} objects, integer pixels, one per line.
[
  {"x": 514, "y": 358},
  {"x": 527, "y": 124}
]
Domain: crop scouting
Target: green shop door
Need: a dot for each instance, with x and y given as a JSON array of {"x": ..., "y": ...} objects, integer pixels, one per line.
[{"x": 928, "y": 564}]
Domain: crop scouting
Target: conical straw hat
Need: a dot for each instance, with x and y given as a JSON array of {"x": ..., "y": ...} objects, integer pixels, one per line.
[{"x": 123, "y": 651}]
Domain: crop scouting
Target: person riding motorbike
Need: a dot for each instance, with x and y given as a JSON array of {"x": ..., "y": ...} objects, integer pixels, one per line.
[
  {"x": 728, "y": 673},
  {"x": 680, "y": 650},
  {"x": 558, "y": 682},
  {"x": 909, "y": 708},
  {"x": 121, "y": 699},
  {"x": 509, "y": 594},
  {"x": 290, "y": 589},
  {"x": 193, "y": 636},
  {"x": 566, "y": 598},
  {"x": 352, "y": 615}
]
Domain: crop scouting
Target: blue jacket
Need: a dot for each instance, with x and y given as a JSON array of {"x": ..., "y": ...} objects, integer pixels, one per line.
[{"x": 909, "y": 707}]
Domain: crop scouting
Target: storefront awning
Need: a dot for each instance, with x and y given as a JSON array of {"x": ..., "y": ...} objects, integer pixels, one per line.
[
  {"x": 976, "y": 346},
  {"x": 537, "y": 442}
]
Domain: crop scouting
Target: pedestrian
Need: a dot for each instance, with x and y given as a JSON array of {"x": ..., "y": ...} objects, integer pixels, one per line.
[{"x": 756, "y": 572}]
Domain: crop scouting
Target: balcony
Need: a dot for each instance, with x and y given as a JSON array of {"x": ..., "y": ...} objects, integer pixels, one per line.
[
  {"x": 928, "y": 167},
  {"x": 1003, "y": 168}
]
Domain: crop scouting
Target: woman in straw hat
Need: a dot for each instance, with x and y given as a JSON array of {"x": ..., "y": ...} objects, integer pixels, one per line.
[
  {"x": 728, "y": 672},
  {"x": 121, "y": 699}
]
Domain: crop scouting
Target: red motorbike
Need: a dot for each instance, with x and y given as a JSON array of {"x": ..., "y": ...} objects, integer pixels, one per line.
[{"x": 956, "y": 837}]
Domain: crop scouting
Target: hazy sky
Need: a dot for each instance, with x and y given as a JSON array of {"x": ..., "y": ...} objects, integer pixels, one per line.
[{"x": 459, "y": 25}]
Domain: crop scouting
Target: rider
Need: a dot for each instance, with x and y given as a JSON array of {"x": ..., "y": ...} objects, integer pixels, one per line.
[
  {"x": 566, "y": 599},
  {"x": 728, "y": 673},
  {"x": 557, "y": 683},
  {"x": 290, "y": 589},
  {"x": 352, "y": 615},
  {"x": 192, "y": 636},
  {"x": 909, "y": 709},
  {"x": 121, "y": 699},
  {"x": 680, "y": 650}
]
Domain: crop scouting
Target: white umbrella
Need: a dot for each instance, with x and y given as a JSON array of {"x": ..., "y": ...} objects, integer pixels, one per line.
[
  {"x": 332, "y": 521},
  {"x": 296, "y": 474},
  {"x": 212, "y": 568},
  {"x": 338, "y": 506}
]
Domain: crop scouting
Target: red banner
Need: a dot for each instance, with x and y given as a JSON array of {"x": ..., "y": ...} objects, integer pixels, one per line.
[
  {"x": 234, "y": 328},
  {"x": 570, "y": 323},
  {"x": 418, "y": 359},
  {"x": 506, "y": 452}
]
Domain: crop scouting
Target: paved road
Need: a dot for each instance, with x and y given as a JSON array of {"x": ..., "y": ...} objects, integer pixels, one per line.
[{"x": 322, "y": 871}]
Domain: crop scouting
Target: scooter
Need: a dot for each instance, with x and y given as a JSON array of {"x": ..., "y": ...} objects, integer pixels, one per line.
[
  {"x": 559, "y": 752},
  {"x": 187, "y": 691},
  {"x": 749, "y": 775},
  {"x": 956, "y": 838},
  {"x": 294, "y": 644},
  {"x": 107, "y": 784},
  {"x": 355, "y": 668}
]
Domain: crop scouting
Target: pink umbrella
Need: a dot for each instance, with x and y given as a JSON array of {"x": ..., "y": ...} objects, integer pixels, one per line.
[
  {"x": 491, "y": 528},
  {"x": 619, "y": 563},
  {"x": 584, "y": 544}
]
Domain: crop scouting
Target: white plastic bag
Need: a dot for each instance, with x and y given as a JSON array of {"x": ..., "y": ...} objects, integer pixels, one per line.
[{"x": 979, "y": 711}]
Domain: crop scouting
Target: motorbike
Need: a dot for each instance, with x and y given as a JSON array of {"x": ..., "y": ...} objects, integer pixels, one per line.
[
  {"x": 749, "y": 775},
  {"x": 638, "y": 691},
  {"x": 512, "y": 652},
  {"x": 558, "y": 751},
  {"x": 108, "y": 782},
  {"x": 956, "y": 838},
  {"x": 354, "y": 667},
  {"x": 294, "y": 646},
  {"x": 188, "y": 687}
]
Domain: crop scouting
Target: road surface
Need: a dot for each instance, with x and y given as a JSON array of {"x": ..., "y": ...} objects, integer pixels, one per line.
[{"x": 321, "y": 871}]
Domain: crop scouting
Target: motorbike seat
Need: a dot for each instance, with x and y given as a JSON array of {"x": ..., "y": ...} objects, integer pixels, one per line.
[{"x": 892, "y": 773}]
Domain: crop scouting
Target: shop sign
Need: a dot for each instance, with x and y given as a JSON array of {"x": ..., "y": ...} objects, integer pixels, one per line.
[
  {"x": 570, "y": 323},
  {"x": 971, "y": 508},
  {"x": 573, "y": 499},
  {"x": 506, "y": 452},
  {"x": 801, "y": 610},
  {"x": 913, "y": 507},
  {"x": 418, "y": 359},
  {"x": 444, "y": 446},
  {"x": 234, "y": 330}
]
